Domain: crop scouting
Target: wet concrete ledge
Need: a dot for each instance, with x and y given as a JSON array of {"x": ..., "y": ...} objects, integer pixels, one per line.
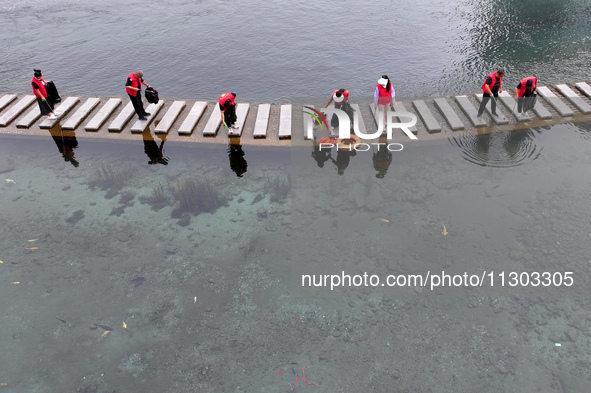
[{"x": 282, "y": 124}]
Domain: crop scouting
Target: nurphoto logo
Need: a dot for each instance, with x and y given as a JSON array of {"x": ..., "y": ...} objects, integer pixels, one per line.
[{"x": 345, "y": 123}]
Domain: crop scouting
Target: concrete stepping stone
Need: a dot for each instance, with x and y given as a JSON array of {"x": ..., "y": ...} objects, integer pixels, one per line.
[
  {"x": 31, "y": 117},
  {"x": 574, "y": 98},
  {"x": 99, "y": 119},
  {"x": 449, "y": 114},
  {"x": 309, "y": 122},
  {"x": 425, "y": 114},
  {"x": 285, "y": 121},
  {"x": 500, "y": 119},
  {"x": 62, "y": 109},
  {"x": 398, "y": 107},
  {"x": 511, "y": 104},
  {"x": 192, "y": 118},
  {"x": 212, "y": 125},
  {"x": 555, "y": 102},
  {"x": 541, "y": 111},
  {"x": 262, "y": 121},
  {"x": 469, "y": 110},
  {"x": 170, "y": 117},
  {"x": 17, "y": 109},
  {"x": 585, "y": 88},
  {"x": 74, "y": 121},
  {"x": 241, "y": 112},
  {"x": 6, "y": 100},
  {"x": 140, "y": 125},
  {"x": 360, "y": 117},
  {"x": 122, "y": 118}
]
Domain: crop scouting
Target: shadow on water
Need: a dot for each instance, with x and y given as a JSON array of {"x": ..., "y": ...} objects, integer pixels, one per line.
[{"x": 499, "y": 150}]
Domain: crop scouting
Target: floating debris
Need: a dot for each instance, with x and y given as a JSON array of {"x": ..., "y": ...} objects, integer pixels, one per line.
[{"x": 139, "y": 280}]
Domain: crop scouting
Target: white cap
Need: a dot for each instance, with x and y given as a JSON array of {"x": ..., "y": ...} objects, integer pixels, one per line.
[
  {"x": 383, "y": 82},
  {"x": 338, "y": 99}
]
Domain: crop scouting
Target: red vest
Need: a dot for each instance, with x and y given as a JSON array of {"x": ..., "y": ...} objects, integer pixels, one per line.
[
  {"x": 135, "y": 82},
  {"x": 345, "y": 93},
  {"x": 385, "y": 97},
  {"x": 224, "y": 97},
  {"x": 523, "y": 83},
  {"x": 41, "y": 83},
  {"x": 494, "y": 80}
]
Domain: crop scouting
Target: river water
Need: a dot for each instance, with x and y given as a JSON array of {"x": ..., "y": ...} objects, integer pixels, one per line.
[
  {"x": 274, "y": 51},
  {"x": 122, "y": 273}
]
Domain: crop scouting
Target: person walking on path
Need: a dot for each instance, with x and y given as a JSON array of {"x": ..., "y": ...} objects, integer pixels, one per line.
[
  {"x": 493, "y": 85},
  {"x": 45, "y": 106},
  {"x": 384, "y": 96},
  {"x": 524, "y": 93},
  {"x": 228, "y": 109},
  {"x": 133, "y": 87}
]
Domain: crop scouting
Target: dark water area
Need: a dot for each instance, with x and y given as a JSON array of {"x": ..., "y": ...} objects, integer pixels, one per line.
[
  {"x": 274, "y": 51},
  {"x": 121, "y": 274}
]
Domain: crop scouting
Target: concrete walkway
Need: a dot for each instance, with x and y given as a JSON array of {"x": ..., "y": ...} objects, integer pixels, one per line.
[{"x": 282, "y": 124}]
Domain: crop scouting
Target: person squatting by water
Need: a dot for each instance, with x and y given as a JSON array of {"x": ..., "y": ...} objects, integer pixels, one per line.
[
  {"x": 524, "y": 93},
  {"x": 40, "y": 92},
  {"x": 228, "y": 109},
  {"x": 133, "y": 87},
  {"x": 341, "y": 101},
  {"x": 493, "y": 85},
  {"x": 384, "y": 96}
]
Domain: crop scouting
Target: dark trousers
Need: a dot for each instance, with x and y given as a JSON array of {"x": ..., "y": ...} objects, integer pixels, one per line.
[
  {"x": 485, "y": 99},
  {"x": 230, "y": 115},
  {"x": 523, "y": 102},
  {"x": 137, "y": 104}
]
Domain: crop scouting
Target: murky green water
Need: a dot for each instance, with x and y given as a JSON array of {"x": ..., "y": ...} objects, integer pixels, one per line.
[{"x": 205, "y": 267}]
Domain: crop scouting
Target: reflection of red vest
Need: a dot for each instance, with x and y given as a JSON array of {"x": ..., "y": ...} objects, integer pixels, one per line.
[
  {"x": 494, "y": 80},
  {"x": 224, "y": 97},
  {"x": 385, "y": 97},
  {"x": 135, "y": 82},
  {"x": 523, "y": 83},
  {"x": 41, "y": 83}
]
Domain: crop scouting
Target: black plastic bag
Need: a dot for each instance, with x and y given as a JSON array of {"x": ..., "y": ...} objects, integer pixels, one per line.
[
  {"x": 52, "y": 94},
  {"x": 152, "y": 95}
]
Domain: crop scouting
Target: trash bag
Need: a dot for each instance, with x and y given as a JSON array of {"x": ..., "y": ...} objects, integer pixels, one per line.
[
  {"x": 52, "y": 94},
  {"x": 152, "y": 95}
]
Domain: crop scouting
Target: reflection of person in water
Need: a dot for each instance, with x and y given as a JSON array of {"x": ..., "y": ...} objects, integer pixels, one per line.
[
  {"x": 66, "y": 142},
  {"x": 320, "y": 155},
  {"x": 236, "y": 155},
  {"x": 343, "y": 158},
  {"x": 154, "y": 152},
  {"x": 382, "y": 158}
]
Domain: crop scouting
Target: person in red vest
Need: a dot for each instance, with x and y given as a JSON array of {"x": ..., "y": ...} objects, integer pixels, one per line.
[
  {"x": 493, "y": 85},
  {"x": 525, "y": 88},
  {"x": 228, "y": 109},
  {"x": 384, "y": 96},
  {"x": 133, "y": 87},
  {"x": 341, "y": 101},
  {"x": 45, "y": 106}
]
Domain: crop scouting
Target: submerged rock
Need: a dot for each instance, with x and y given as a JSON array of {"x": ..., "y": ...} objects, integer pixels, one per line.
[{"x": 6, "y": 165}]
